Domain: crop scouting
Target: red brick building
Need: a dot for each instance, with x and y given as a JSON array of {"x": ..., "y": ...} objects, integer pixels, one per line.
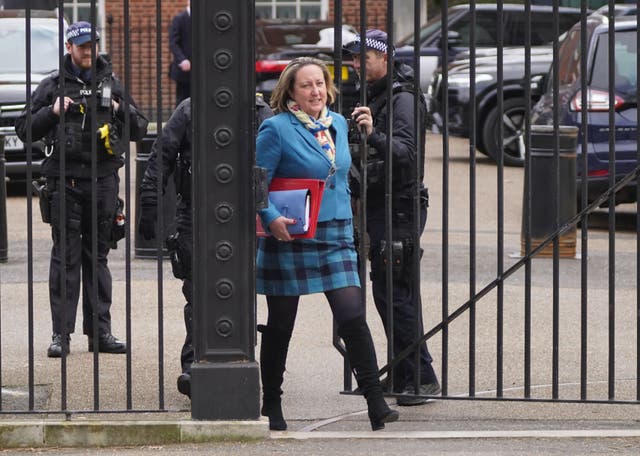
[
  {"x": 148, "y": 76},
  {"x": 144, "y": 28}
]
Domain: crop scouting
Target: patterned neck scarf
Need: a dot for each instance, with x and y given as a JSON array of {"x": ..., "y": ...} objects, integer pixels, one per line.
[{"x": 319, "y": 128}]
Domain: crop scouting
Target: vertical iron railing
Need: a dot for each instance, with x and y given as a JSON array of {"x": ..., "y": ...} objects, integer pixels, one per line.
[
  {"x": 445, "y": 201},
  {"x": 584, "y": 220},
  {"x": 561, "y": 224},
  {"x": 137, "y": 34},
  {"x": 159, "y": 205},
  {"x": 472, "y": 207}
]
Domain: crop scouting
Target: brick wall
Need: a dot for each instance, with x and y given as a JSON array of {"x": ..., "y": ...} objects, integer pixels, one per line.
[
  {"x": 143, "y": 32},
  {"x": 142, "y": 53},
  {"x": 376, "y": 13}
]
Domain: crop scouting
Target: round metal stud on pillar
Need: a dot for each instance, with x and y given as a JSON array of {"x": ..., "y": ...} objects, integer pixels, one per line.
[{"x": 225, "y": 376}]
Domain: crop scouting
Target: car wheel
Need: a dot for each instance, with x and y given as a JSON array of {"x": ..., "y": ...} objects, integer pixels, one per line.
[{"x": 512, "y": 120}]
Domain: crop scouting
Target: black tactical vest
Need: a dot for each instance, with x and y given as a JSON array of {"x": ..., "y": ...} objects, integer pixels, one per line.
[{"x": 78, "y": 133}]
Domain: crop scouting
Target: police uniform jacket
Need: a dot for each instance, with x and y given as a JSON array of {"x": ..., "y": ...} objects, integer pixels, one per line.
[
  {"x": 404, "y": 147},
  {"x": 78, "y": 131},
  {"x": 172, "y": 154}
]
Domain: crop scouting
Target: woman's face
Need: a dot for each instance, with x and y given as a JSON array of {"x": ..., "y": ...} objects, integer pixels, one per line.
[{"x": 309, "y": 90}]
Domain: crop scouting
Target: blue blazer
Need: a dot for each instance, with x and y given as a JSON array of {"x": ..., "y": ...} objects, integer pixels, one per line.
[{"x": 287, "y": 149}]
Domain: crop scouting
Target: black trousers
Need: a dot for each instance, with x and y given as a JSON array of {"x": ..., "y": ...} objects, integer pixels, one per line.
[
  {"x": 183, "y": 91},
  {"x": 407, "y": 310},
  {"x": 185, "y": 247},
  {"x": 78, "y": 261}
]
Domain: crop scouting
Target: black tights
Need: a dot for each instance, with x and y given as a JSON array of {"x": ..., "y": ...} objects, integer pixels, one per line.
[{"x": 345, "y": 303}]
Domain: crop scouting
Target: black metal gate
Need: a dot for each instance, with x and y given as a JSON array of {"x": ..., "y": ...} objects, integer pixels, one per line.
[
  {"x": 549, "y": 354},
  {"x": 510, "y": 326}
]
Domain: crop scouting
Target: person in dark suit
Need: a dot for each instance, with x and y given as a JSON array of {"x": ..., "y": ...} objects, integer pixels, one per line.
[
  {"x": 180, "y": 45},
  {"x": 306, "y": 140}
]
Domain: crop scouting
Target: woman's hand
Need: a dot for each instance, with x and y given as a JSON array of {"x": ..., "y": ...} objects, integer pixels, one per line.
[
  {"x": 362, "y": 115},
  {"x": 279, "y": 228}
]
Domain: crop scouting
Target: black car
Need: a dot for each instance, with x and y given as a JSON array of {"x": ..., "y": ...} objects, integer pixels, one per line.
[
  {"x": 13, "y": 80},
  {"x": 514, "y": 107},
  {"x": 487, "y": 116},
  {"x": 459, "y": 23},
  {"x": 280, "y": 41}
]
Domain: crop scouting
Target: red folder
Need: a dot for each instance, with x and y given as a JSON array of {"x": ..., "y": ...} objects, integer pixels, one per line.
[{"x": 315, "y": 186}]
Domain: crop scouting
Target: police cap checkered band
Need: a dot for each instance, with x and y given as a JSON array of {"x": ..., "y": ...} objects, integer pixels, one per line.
[
  {"x": 375, "y": 39},
  {"x": 80, "y": 33}
]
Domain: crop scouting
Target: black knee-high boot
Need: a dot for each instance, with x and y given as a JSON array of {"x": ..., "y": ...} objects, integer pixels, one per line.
[
  {"x": 273, "y": 357},
  {"x": 362, "y": 357}
]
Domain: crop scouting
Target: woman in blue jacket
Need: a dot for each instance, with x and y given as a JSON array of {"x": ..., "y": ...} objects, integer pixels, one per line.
[{"x": 306, "y": 140}]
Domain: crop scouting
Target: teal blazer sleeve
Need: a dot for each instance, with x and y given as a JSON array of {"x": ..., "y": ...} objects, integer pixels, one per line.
[{"x": 287, "y": 149}]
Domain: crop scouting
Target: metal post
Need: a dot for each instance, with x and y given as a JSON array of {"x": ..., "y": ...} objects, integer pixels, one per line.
[
  {"x": 225, "y": 378},
  {"x": 4, "y": 243}
]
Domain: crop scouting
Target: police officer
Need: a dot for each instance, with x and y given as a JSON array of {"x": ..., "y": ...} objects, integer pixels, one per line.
[
  {"x": 372, "y": 120},
  {"x": 175, "y": 159},
  {"x": 48, "y": 103}
]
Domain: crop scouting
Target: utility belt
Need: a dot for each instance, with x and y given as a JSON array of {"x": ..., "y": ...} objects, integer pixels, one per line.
[
  {"x": 401, "y": 260},
  {"x": 180, "y": 256},
  {"x": 49, "y": 203}
]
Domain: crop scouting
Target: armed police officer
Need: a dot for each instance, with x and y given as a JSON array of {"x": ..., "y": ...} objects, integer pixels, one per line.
[
  {"x": 171, "y": 153},
  {"x": 73, "y": 143},
  {"x": 372, "y": 120}
]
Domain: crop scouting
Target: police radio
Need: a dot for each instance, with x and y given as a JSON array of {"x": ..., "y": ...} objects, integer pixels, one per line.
[{"x": 104, "y": 95}]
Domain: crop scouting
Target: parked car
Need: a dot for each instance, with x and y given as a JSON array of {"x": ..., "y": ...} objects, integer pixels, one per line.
[
  {"x": 280, "y": 41},
  {"x": 488, "y": 118},
  {"x": 13, "y": 80},
  {"x": 459, "y": 25},
  {"x": 486, "y": 100},
  {"x": 621, "y": 9},
  {"x": 598, "y": 106}
]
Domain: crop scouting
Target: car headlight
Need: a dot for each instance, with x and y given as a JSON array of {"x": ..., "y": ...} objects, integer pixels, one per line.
[{"x": 464, "y": 80}]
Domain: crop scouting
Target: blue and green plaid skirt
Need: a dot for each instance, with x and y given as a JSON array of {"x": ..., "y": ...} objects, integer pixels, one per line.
[{"x": 305, "y": 266}]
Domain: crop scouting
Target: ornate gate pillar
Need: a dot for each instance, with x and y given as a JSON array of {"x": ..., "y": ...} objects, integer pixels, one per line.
[{"x": 225, "y": 377}]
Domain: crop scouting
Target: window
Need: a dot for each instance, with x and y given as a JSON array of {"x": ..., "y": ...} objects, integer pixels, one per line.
[
  {"x": 80, "y": 10},
  {"x": 542, "y": 27},
  {"x": 626, "y": 56},
  {"x": 289, "y": 9},
  {"x": 485, "y": 29}
]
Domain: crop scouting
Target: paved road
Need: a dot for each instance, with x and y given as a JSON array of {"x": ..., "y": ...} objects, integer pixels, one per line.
[{"x": 312, "y": 401}]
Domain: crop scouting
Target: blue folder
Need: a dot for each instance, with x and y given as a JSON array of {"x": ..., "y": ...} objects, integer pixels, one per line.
[{"x": 293, "y": 204}]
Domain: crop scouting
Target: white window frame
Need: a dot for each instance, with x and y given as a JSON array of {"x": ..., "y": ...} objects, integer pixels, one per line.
[
  {"x": 324, "y": 6},
  {"x": 100, "y": 12}
]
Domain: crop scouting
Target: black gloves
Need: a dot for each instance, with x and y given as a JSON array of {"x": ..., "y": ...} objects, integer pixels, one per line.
[{"x": 147, "y": 224}]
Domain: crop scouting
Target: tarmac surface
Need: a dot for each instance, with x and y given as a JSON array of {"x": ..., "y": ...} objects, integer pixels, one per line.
[{"x": 321, "y": 420}]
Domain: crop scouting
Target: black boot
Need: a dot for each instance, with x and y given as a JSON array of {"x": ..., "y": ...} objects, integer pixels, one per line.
[
  {"x": 58, "y": 346},
  {"x": 273, "y": 357},
  {"x": 184, "y": 384},
  {"x": 362, "y": 357},
  {"x": 107, "y": 343}
]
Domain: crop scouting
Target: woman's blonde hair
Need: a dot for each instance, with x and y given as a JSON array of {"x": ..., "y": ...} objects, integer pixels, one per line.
[{"x": 280, "y": 95}]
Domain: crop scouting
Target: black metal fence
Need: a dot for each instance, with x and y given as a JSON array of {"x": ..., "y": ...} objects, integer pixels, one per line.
[{"x": 500, "y": 326}]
